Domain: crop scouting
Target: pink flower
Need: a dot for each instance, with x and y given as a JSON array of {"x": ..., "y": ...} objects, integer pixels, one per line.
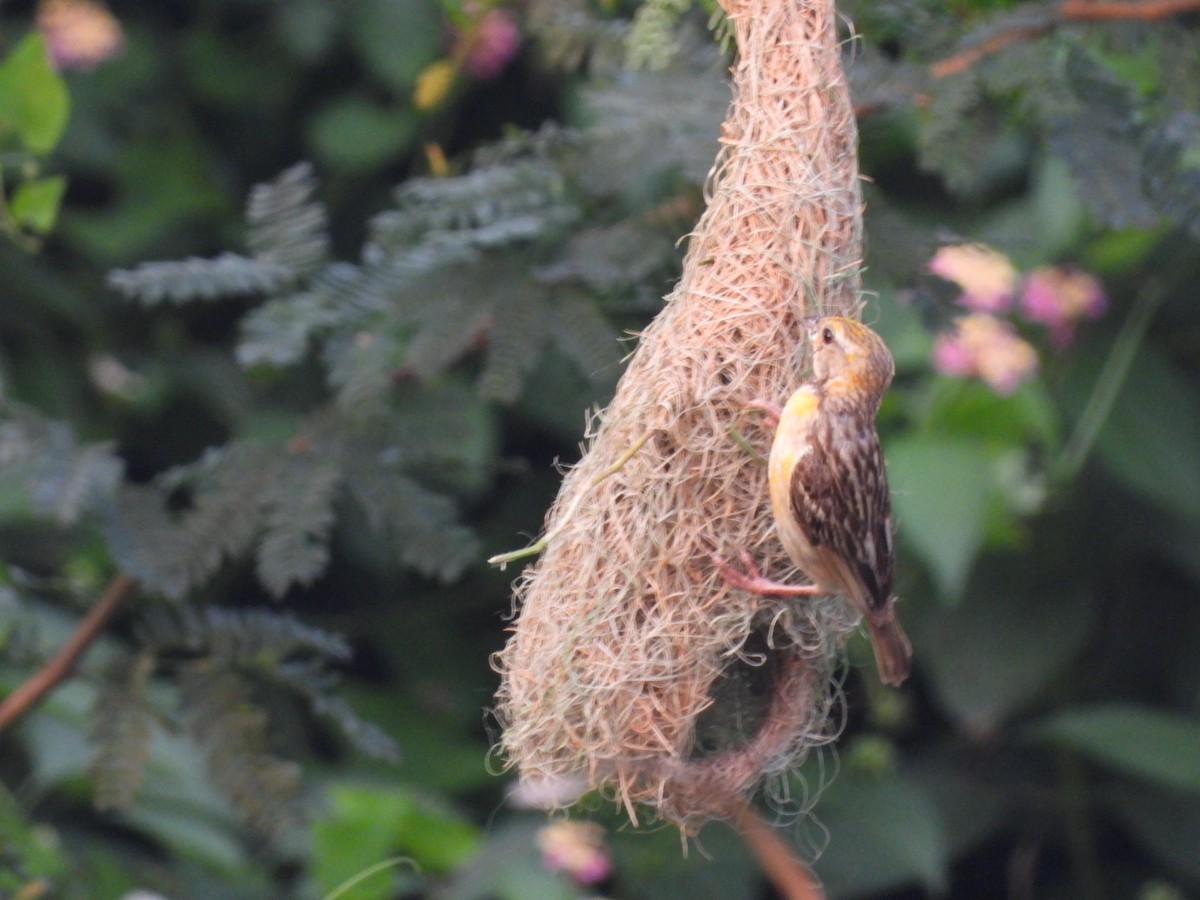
[
  {"x": 575, "y": 848},
  {"x": 80, "y": 34},
  {"x": 986, "y": 276},
  {"x": 490, "y": 44},
  {"x": 951, "y": 356},
  {"x": 988, "y": 348},
  {"x": 1059, "y": 297}
]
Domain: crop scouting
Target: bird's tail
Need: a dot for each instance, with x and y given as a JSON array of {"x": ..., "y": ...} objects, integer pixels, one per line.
[{"x": 892, "y": 649}]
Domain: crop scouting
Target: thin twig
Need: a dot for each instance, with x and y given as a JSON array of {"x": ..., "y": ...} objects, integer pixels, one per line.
[
  {"x": 965, "y": 59},
  {"x": 1068, "y": 11},
  {"x": 791, "y": 877},
  {"x": 59, "y": 666},
  {"x": 1147, "y": 10}
]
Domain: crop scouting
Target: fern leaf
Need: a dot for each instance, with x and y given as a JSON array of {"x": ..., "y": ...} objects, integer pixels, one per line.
[
  {"x": 174, "y": 553},
  {"x": 577, "y": 328},
  {"x": 294, "y": 549},
  {"x": 146, "y": 543},
  {"x": 263, "y": 637},
  {"x": 445, "y": 338},
  {"x": 421, "y": 524},
  {"x": 361, "y": 367},
  {"x": 278, "y": 332},
  {"x": 515, "y": 345},
  {"x": 252, "y": 639},
  {"x": 227, "y": 275},
  {"x": 287, "y": 227},
  {"x": 317, "y": 688},
  {"x": 569, "y": 32},
  {"x": 61, "y": 479},
  {"x": 651, "y": 41},
  {"x": 488, "y": 207},
  {"x": 1107, "y": 97},
  {"x": 232, "y": 734},
  {"x": 1171, "y": 170},
  {"x": 632, "y": 141},
  {"x": 1109, "y": 167},
  {"x": 960, "y": 131},
  {"x": 441, "y": 428},
  {"x": 121, "y": 732}
]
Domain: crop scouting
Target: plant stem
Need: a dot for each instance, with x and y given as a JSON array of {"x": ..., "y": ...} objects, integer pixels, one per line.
[
  {"x": 790, "y": 877},
  {"x": 1081, "y": 840},
  {"x": 1108, "y": 383},
  {"x": 1067, "y": 11},
  {"x": 60, "y": 665}
]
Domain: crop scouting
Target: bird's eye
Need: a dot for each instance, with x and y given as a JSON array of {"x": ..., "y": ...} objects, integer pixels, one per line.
[{"x": 827, "y": 335}]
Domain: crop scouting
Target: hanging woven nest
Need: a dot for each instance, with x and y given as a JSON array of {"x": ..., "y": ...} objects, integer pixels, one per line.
[{"x": 633, "y": 668}]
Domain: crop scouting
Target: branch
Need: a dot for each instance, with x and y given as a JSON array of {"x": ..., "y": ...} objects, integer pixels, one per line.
[
  {"x": 1068, "y": 11},
  {"x": 791, "y": 878},
  {"x": 1147, "y": 10},
  {"x": 59, "y": 666}
]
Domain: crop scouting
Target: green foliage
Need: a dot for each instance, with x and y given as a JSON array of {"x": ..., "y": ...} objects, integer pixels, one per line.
[
  {"x": 121, "y": 732},
  {"x": 1147, "y": 744},
  {"x": 947, "y": 538},
  {"x": 46, "y": 472},
  {"x": 232, "y": 733},
  {"x": 347, "y": 397},
  {"x": 34, "y": 106},
  {"x": 369, "y": 823},
  {"x": 233, "y": 667},
  {"x": 883, "y": 831}
]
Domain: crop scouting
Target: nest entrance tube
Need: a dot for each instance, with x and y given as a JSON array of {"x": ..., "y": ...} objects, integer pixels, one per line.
[{"x": 633, "y": 667}]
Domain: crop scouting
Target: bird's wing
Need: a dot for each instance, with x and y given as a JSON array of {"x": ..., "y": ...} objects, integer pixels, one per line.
[{"x": 840, "y": 499}]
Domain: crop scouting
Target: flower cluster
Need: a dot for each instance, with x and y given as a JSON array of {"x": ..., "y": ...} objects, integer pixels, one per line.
[
  {"x": 576, "y": 849},
  {"x": 80, "y": 34},
  {"x": 489, "y": 46},
  {"x": 485, "y": 42},
  {"x": 984, "y": 345}
]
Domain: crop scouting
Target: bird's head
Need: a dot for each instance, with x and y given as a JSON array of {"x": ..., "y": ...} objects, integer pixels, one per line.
[{"x": 849, "y": 359}]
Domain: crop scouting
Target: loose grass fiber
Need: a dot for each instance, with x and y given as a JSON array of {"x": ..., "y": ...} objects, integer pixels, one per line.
[{"x": 633, "y": 668}]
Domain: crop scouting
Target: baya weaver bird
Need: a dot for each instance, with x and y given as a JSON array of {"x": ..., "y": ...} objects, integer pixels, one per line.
[{"x": 829, "y": 491}]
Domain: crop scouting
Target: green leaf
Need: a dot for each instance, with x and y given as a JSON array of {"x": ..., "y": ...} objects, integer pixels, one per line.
[
  {"x": 396, "y": 40},
  {"x": 1164, "y": 822},
  {"x": 941, "y": 489},
  {"x": 367, "y": 824},
  {"x": 33, "y": 97},
  {"x": 883, "y": 833},
  {"x": 995, "y": 652},
  {"x": 1142, "y": 742},
  {"x": 651, "y": 862},
  {"x": 972, "y": 409},
  {"x": 355, "y": 134},
  {"x": 1151, "y": 440},
  {"x": 35, "y": 203}
]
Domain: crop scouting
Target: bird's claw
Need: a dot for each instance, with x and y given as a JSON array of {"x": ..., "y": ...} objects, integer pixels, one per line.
[
  {"x": 754, "y": 581},
  {"x": 771, "y": 411}
]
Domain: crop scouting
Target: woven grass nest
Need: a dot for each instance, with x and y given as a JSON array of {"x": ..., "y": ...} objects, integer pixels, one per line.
[{"x": 633, "y": 668}]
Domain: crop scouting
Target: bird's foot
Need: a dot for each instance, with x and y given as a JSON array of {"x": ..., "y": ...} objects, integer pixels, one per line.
[
  {"x": 771, "y": 411},
  {"x": 754, "y": 581}
]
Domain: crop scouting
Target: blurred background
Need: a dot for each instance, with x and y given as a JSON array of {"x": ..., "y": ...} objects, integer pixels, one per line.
[{"x": 302, "y": 302}]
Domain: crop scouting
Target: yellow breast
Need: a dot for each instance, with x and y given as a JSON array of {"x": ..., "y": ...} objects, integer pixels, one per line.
[{"x": 790, "y": 445}]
